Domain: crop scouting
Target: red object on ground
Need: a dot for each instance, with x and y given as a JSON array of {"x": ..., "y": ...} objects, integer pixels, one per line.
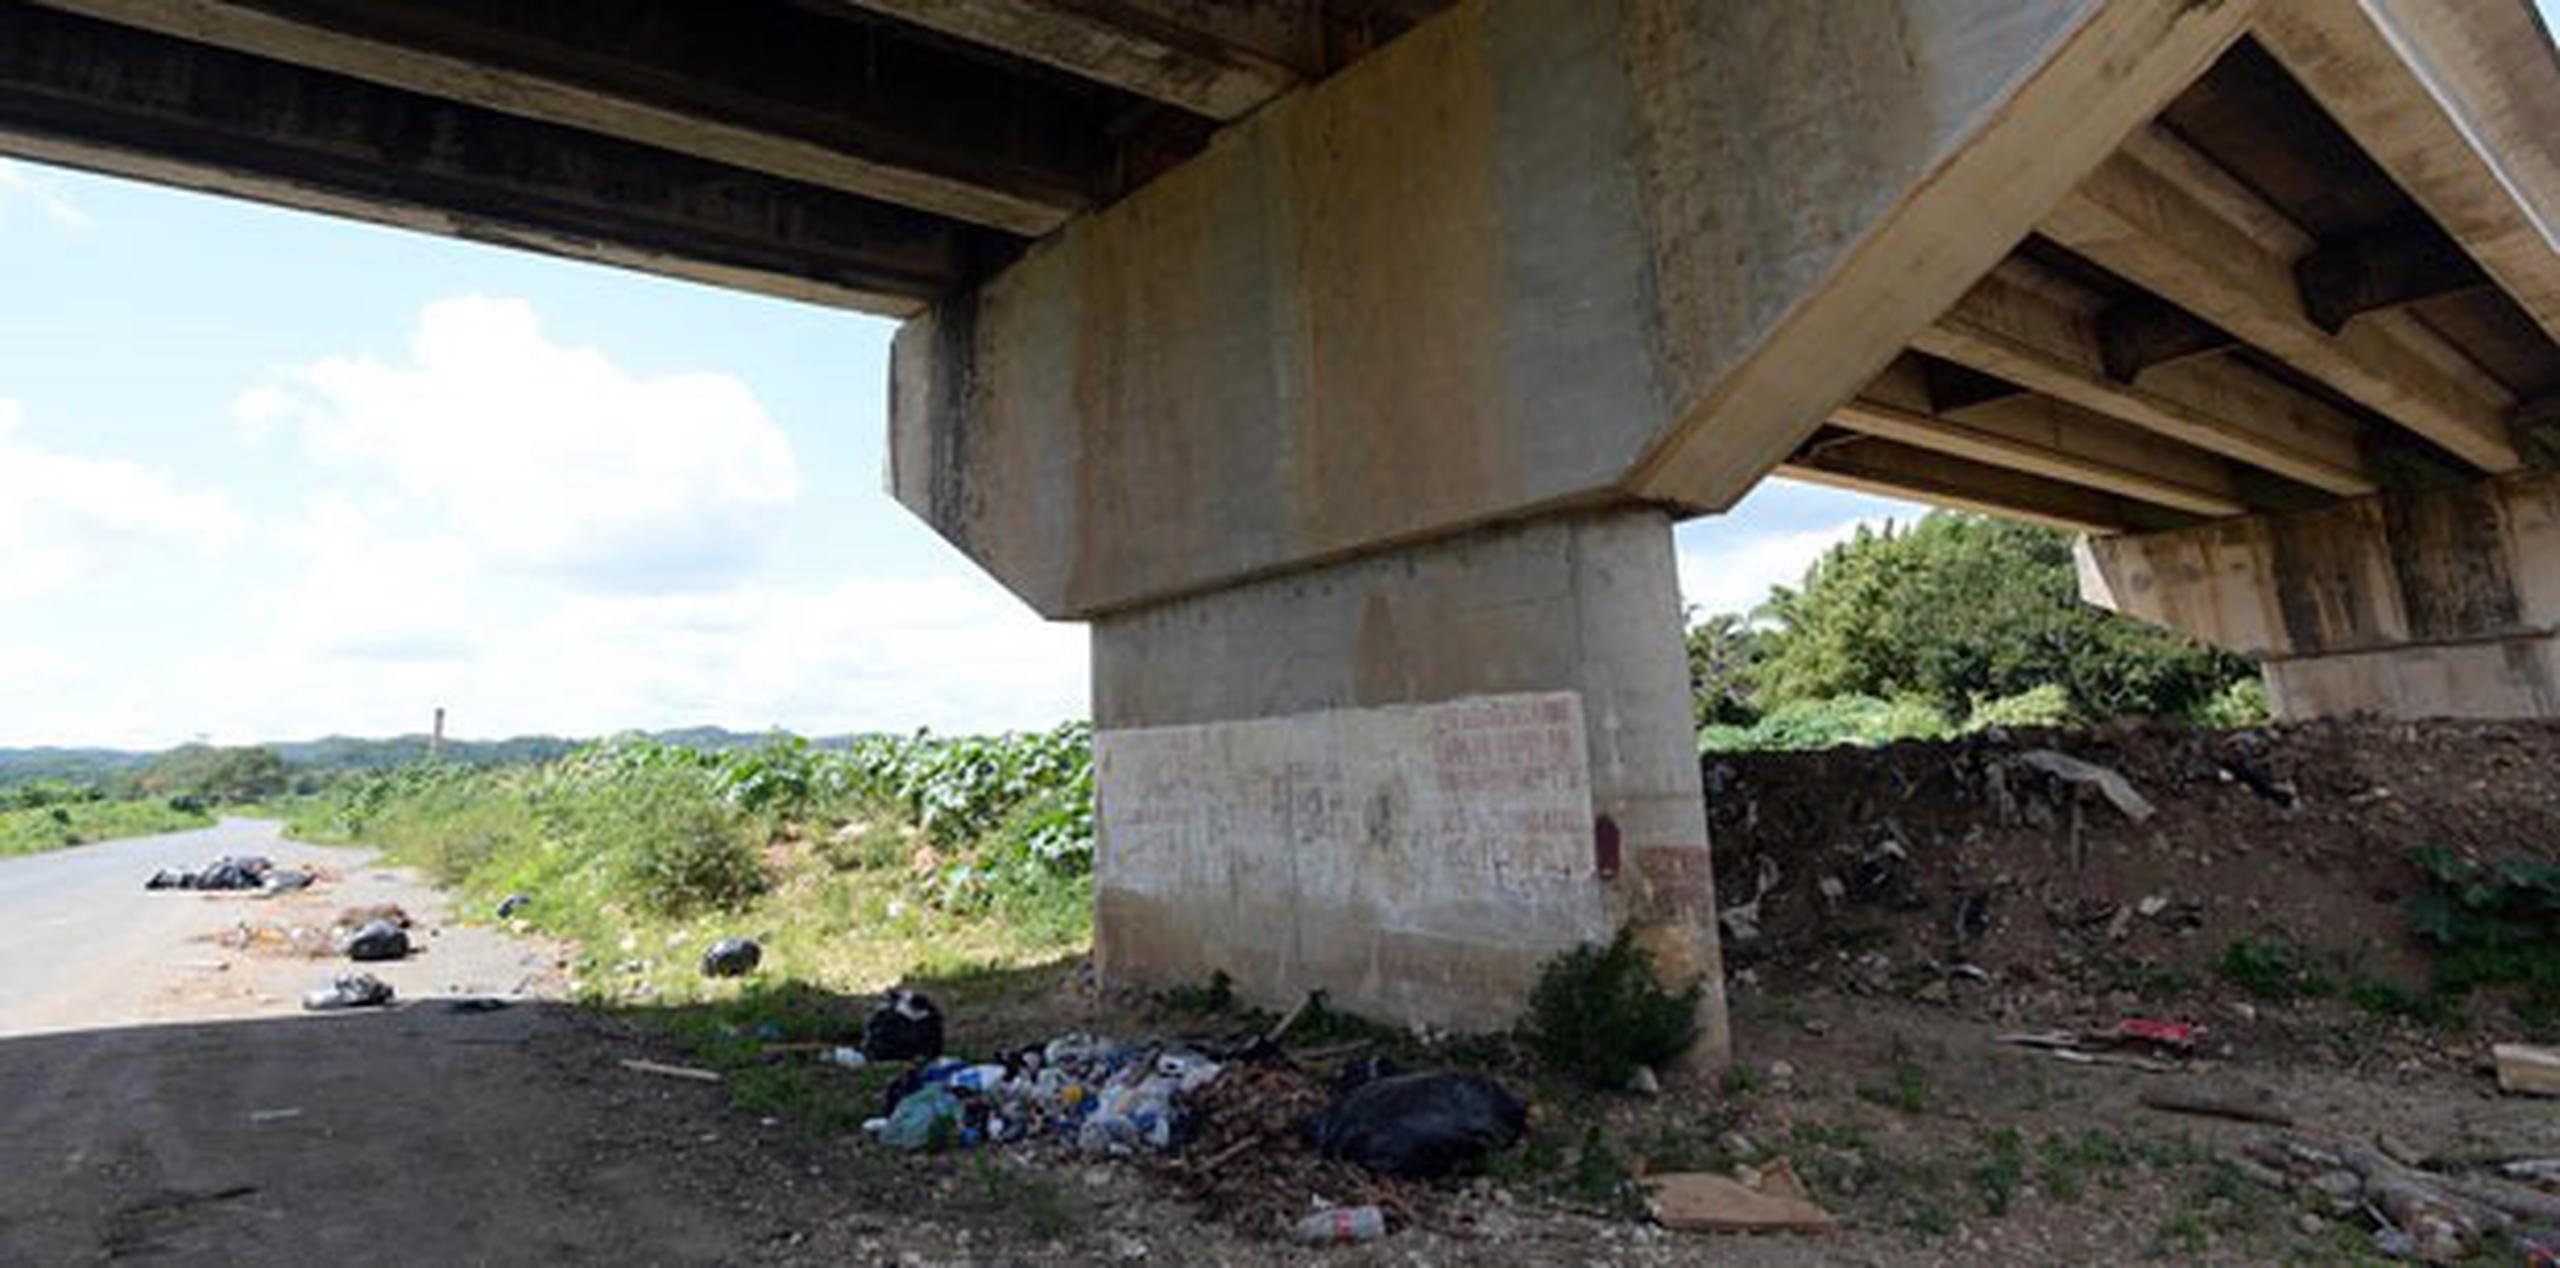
[{"x": 2172, "y": 1034}]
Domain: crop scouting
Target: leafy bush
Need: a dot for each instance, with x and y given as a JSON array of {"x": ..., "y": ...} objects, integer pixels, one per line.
[
  {"x": 2490, "y": 923},
  {"x": 1600, "y": 1012},
  {"x": 2242, "y": 704},
  {"x": 1959, "y": 608},
  {"x": 1813, "y": 724},
  {"x": 2273, "y": 968},
  {"x": 2048, "y": 705}
]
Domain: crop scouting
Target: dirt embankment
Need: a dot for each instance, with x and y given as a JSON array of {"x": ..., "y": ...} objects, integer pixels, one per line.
[{"x": 1964, "y": 872}]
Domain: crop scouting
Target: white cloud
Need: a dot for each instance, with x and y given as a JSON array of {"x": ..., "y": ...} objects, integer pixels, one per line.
[
  {"x": 1736, "y": 576},
  {"x": 20, "y": 184},
  {"x": 64, "y": 517},
  {"x": 546, "y": 458}
]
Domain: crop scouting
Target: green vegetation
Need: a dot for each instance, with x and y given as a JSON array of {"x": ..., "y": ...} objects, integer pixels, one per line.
[
  {"x": 1952, "y": 624},
  {"x": 2274, "y": 968},
  {"x": 49, "y": 816},
  {"x": 1600, "y": 1012},
  {"x": 2492, "y": 924},
  {"x": 207, "y": 775},
  {"x": 842, "y": 862}
]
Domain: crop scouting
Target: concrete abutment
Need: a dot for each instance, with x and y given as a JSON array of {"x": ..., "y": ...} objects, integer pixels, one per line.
[{"x": 1408, "y": 779}]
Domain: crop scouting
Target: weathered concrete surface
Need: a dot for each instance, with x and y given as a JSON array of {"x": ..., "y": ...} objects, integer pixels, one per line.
[
  {"x": 1536, "y": 253},
  {"x": 2436, "y": 603},
  {"x": 1423, "y": 863}
]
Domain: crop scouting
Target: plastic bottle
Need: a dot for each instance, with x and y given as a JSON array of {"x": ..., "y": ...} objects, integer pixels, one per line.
[{"x": 1341, "y": 1226}]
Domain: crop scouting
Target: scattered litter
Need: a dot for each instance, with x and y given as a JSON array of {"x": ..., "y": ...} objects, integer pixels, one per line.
[
  {"x": 1705, "y": 1202},
  {"x": 732, "y": 957},
  {"x": 349, "y": 990},
  {"x": 2527, "y": 1070},
  {"x": 285, "y": 880},
  {"x": 379, "y": 940},
  {"x": 1418, "y": 1125},
  {"x": 1741, "y": 922},
  {"x": 2255, "y": 1108},
  {"x": 907, "y": 1027},
  {"x": 2166, "y": 1034},
  {"x": 2114, "y": 787},
  {"x": 927, "y": 1118},
  {"x": 274, "y": 1115},
  {"x": 358, "y": 917},
  {"x": 671, "y": 1071},
  {"x": 1340, "y": 1226},
  {"x": 513, "y": 903},
  {"x": 844, "y": 1056}
]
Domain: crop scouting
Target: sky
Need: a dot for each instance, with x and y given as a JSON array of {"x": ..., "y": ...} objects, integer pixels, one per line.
[{"x": 267, "y": 475}]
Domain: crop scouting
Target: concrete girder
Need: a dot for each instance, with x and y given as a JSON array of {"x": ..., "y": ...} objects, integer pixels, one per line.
[
  {"x": 1890, "y": 468},
  {"x": 2459, "y": 103},
  {"x": 2167, "y": 219},
  {"x": 2043, "y": 436},
  {"x": 115, "y": 99},
  {"x": 2028, "y": 325},
  {"x": 1218, "y": 58},
  {"x": 1500, "y": 267},
  {"x": 760, "y": 87}
]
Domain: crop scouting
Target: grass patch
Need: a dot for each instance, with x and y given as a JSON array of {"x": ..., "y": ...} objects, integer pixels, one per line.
[
  {"x": 60, "y": 825},
  {"x": 2274, "y": 968},
  {"x": 1908, "y": 1090}
]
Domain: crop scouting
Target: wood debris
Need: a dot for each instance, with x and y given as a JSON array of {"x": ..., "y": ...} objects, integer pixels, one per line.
[{"x": 1698, "y": 1201}]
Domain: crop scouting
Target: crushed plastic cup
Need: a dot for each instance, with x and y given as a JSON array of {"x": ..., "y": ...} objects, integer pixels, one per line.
[
  {"x": 846, "y": 1056},
  {"x": 1340, "y": 1226}
]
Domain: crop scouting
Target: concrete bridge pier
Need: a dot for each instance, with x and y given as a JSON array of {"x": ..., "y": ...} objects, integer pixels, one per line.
[
  {"x": 1408, "y": 778},
  {"x": 2441, "y": 601}
]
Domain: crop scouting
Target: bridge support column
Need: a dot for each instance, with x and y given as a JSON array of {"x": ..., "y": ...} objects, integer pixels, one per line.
[
  {"x": 1409, "y": 778},
  {"x": 2442, "y": 602}
]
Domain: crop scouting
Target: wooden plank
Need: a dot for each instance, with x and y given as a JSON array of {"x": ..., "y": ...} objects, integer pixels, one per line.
[
  {"x": 2051, "y": 439},
  {"x": 1870, "y": 464},
  {"x": 2527, "y": 1070},
  {"x": 1703, "y": 1202},
  {"x": 2458, "y": 102},
  {"x": 129, "y": 102},
  {"x": 2029, "y": 325},
  {"x": 759, "y": 87},
  {"x": 2162, "y": 217},
  {"x": 1220, "y": 60}
]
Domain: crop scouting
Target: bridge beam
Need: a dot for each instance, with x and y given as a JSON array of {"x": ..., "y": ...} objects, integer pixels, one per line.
[{"x": 129, "y": 102}]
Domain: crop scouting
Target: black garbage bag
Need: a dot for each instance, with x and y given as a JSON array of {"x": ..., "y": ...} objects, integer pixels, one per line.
[
  {"x": 1418, "y": 1125},
  {"x": 732, "y": 957},
  {"x": 284, "y": 879},
  {"x": 168, "y": 879},
  {"x": 513, "y": 903},
  {"x": 380, "y": 940},
  {"x": 233, "y": 873},
  {"x": 350, "y": 990},
  {"x": 906, "y": 1027}
]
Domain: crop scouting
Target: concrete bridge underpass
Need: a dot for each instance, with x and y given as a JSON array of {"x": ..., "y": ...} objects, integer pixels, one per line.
[{"x": 1346, "y": 362}]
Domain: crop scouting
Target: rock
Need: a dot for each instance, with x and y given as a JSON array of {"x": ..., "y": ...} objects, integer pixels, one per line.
[
  {"x": 1644, "y": 1082},
  {"x": 1936, "y": 992},
  {"x": 1782, "y": 1076},
  {"x": 732, "y": 957},
  {"x": 2310, "y": 1224}
]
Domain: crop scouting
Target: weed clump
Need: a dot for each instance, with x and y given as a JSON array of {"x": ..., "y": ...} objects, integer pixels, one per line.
[
  {"x": 1600, "y": 1012},
  {"x": 2491, "y": 924}
]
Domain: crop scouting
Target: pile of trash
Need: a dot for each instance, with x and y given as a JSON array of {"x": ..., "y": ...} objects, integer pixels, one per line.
[
  {"x": 1101, "y": 1095},
  {"x": 230, "y": 873},
  {"x": 1242, "y": 1120}
]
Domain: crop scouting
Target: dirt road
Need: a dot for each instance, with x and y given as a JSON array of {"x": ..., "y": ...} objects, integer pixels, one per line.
[{"x": 167, "y": 1099}]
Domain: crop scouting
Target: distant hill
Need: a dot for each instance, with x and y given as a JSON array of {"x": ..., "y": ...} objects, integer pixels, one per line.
[{"x": 341, "y": 752}]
